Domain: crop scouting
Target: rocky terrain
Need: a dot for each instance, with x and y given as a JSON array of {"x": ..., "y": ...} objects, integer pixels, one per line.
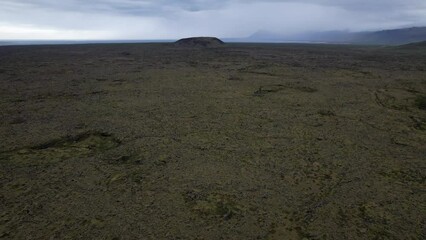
[{"x": 241, "y": 141}]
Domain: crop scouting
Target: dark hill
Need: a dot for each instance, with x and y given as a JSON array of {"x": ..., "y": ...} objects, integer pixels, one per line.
[
  {"x": 392, "y": 37},
  {"x": 415, "y": 45},
  {"x": 199, "y": 42}
]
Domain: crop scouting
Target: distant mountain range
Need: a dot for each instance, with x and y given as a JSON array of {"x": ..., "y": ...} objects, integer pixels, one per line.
[
  {"x": 414, "y": 46},
  {"x": 384, "y": 37}
]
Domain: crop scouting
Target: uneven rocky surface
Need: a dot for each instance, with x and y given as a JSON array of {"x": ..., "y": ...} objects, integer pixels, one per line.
[{"x": 245, "y": 141}]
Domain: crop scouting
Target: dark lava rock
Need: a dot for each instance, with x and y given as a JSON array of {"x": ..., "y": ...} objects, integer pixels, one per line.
[{"x": 199, "y": 42}]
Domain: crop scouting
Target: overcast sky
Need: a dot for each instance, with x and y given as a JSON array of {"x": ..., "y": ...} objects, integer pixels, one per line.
[{"x": 171, "y": 19}]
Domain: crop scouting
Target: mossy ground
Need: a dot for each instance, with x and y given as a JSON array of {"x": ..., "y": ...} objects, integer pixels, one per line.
[
  {"x": 245, "y": 141},
  {"x": 421, "y": 102},
  {"x": 83, "y": 145}
]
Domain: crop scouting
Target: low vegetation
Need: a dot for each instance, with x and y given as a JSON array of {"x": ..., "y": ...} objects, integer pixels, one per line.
[{"x": 235, "y": 141}]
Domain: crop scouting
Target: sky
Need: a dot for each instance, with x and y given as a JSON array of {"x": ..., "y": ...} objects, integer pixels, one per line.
[{"x": 173, "y": 19}]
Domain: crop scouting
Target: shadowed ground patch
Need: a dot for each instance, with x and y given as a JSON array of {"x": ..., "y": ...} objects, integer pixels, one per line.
[{"x": 82, "y": 145}]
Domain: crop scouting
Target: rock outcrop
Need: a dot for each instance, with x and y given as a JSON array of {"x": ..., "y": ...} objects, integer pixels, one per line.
[{"x": 199, "y": 42}]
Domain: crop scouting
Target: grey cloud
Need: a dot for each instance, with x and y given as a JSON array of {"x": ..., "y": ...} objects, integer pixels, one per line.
[
  {"x": 371, "y": 5},
  {"x": 161, "y": 6},
  {"x": 230, "y": 18},
  {"x": 120, "y": 6}
]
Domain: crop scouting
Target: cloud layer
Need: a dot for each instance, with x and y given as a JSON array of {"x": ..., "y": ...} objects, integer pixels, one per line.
[{"x": 160, "y": 19}]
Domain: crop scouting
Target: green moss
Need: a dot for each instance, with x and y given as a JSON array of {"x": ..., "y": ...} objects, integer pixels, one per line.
[
  {"x": 406, "y": 175},
  {"x": 307, "y": 89},
  {"x": 217, "y": 205},
  {"x": 327, "y": 113},
  {"x": 69, "y": 147},
  {"x": 421, "y": 102},
  {"x": 117, "y": 177},
  {"x": 136, "y": 177},
  {"x": 98, "y": 223}
]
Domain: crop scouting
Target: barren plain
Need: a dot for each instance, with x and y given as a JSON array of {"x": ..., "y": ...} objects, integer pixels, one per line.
[{"x": 242, "y": 141}]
